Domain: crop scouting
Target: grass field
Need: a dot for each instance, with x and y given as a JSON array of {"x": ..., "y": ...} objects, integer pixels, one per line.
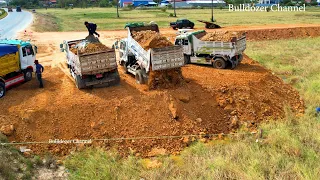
[
  {"x": 72, "y": 19},
  {"x": 3, "y": 13},
  {"x": 290, "y": 148}
]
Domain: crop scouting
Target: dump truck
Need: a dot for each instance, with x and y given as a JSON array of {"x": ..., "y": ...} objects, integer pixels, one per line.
[
  {"x": 139, "y": 62},
  {"x": 16, "y": 63},
  {"x": 93, "y": 69},
  {"x": 219, "y": 54}
]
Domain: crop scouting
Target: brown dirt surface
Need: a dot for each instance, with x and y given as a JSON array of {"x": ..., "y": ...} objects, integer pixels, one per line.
[
  {"x": 225, "y": 36},
  {"x": 61, "y": 111},
  {"x": 210, "y": 101},
  {"x": 151, "y": 39}
]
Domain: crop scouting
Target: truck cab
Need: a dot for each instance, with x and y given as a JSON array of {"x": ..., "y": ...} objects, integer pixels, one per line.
[
  {"x": 18, "y": 9},
  {"x": 16, "y": 63},
  {"x": 219, "y": 54},
  {"x": 27, "y": 52}
]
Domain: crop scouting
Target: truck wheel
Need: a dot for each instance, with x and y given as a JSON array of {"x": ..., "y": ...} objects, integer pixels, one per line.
[
  {"x": 139, "y": 77},
  {"x": 80, "y": 83},
  {"x": 219, "y": 63},
  {"x": 27, "y": 75},
  {"x": 125, "y": 68},
  {"x": 186, "y": 59},
  {"x": 240, "y": 57},
  {"x": 2, "y": 89}
]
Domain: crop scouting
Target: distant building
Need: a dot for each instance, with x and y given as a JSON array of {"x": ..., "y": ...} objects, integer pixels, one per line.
[
  {"x": 124, "y": 3},
  {"x": 137, "y": 3},
  {"x": 206, "y": 3}
]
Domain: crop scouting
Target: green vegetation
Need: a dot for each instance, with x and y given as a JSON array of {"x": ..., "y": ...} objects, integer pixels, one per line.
[
  {"x": 289, "y": 149},
  {"x": 13, "y": 165},
  {"x": 3, "y": 13},
  {"x": 72, "y": 19}
]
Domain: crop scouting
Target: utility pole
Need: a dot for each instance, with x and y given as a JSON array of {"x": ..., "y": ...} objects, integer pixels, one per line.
[
  {"x": 117, "y": 8},
  {"x": 174, "y": 8},
  {"x": 212, "y": 19}
]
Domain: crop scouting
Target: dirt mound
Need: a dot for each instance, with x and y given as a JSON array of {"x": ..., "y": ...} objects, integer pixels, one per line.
[
  {"x": 209, "y": 102},
  {"x": 151, "y": 39},
  {"x": 221, "y": 36},
  {"x": 165, "y": 78},
  {"x": 273, "y": 32}
]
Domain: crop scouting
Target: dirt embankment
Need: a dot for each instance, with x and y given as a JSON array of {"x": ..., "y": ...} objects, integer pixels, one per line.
[{"x": 273, "y": 33}]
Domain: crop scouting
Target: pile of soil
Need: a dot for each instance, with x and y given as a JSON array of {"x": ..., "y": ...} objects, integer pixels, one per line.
[
  {"x": 90, "y": 48},
  {"x": 248, "y": 94},
  {"x": 165, "y": 78},
  {"x": 225, "y": 36},
  {"x": 151, "y": 39}
]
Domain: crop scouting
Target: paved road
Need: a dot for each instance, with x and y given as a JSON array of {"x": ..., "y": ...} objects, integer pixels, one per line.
[{"x": 13, "y": 23}]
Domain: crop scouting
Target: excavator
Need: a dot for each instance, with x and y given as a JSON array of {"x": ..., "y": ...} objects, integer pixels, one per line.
[{"x": 210, "y": 25}]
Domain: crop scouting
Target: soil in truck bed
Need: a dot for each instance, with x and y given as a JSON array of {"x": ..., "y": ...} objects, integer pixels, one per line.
[
  {"x": 90, "y": 48},
  {"x": 151, "y": 39},
  {"x": 225, "y": 36}
]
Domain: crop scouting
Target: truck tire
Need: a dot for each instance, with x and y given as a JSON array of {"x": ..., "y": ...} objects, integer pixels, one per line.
[
  {"x": 186, "y": 59},
  {"x": 240, "y": 57},
  {"x": 27, "y": 75},
  {"x": 2, "y": 89},
  {"x": 139, "y": 77},
  {"x": 219, "y": 63},
  {"x": 125, "y": 68},
  {"x": 80, "y": 83}
]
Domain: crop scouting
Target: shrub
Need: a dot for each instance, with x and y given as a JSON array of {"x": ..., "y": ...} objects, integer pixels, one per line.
[{"x": 163, "y": 9}]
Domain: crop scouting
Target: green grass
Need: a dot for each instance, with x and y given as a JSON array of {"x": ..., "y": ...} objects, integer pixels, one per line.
[
  {"x": 72, "y": 19},
  {"x": 3, "y": 13},
  {"x": 290, "y": 149},
  {"x": 12, "y": 164}
]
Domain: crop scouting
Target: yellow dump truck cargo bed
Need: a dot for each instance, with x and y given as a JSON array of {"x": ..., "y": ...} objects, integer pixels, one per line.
[{"x": 9, "y": 63}]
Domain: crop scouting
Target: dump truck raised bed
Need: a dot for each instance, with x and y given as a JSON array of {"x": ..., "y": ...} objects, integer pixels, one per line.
[
  {"x": 219, "y": 54},
  {"x": 16, "y": 63},
  {"x": 91, "y": 69},
  {"x": 139, "y": 61}
]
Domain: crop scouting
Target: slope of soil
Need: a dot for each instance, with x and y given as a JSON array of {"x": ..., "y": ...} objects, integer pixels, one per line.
[
  {"x": 274, "y": 32},
  {"x": 206, "y": 103}
]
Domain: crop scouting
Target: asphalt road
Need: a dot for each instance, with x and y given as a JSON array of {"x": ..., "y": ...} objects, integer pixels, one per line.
[{"x": 13, "y": 23}]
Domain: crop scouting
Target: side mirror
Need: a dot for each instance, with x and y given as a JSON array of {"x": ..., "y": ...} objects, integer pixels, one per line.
[
  {"x": 61, "y": 46},
  {"x": 36, "y": 49}
]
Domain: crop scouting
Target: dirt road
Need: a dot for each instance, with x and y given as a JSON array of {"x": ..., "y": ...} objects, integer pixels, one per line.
[{"x": 209, "y": 101}]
